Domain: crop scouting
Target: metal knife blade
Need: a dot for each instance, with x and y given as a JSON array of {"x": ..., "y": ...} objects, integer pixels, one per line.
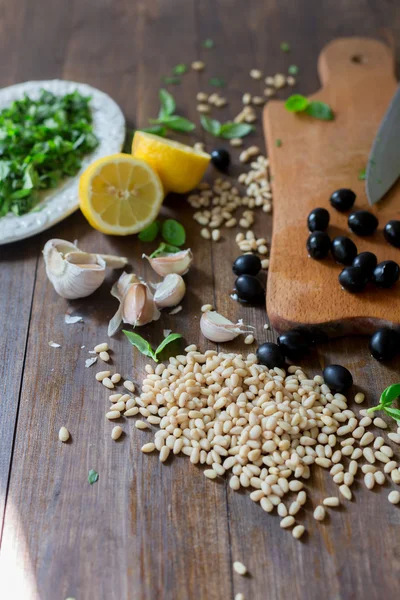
[{"x": 383, "y": 167}]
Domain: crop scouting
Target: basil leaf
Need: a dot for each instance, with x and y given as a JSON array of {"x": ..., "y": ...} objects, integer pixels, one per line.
[
  {"x": 178, "y": 123},
  {"x": 211, "y": 125},
  {"x": 231, "y": 130},
  {"x": 167, "y": 104},
  {"x": 140, "y": 343},
  {"x": 165, "y": 249},
  {"x": 172, "y": 337},
  {"x": 155, "y": 130},
  {"x": 173, "y": 232},
  {"x": 362, "y": 175},
  {"x": 296, "y": 103},
  {"x": 171, "y": 80},
  {"x": 392, "y": 412},
  {"x": 320, "y": 110},
  {"x": 293, "y": 70},
  {"x": 285, "y": 47},
  {"x": 390, "y": 394},
  {"x": 217, "y": 82},
  {"x": 93, "y": 476},
  {"x": 150, "y": 233},
  {"x": 208, "y": 43},
  {"x": 180, "y": 69}
]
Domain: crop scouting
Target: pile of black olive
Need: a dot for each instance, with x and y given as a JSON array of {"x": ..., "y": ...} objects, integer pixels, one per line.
[
  {"x": 360, "y": 269},
  {"x": 247, "y": 285}
]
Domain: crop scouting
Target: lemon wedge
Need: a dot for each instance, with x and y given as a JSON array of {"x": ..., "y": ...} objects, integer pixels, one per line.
[
  {"x": 120, "y": 194},
  {"x": 180, "y": 167}
]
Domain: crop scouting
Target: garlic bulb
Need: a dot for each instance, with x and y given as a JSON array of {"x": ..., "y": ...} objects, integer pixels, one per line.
[
  {"x": 171, "y": 263},
  {"x": 137, "y": 306},
  {"x": 170, "y": 291},
  {"x": 73, "y": 273},
  {"x": 218, "y": 328}
]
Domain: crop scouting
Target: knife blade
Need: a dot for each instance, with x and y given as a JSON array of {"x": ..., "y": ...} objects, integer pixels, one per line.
[{"x": 383, "y": 169}]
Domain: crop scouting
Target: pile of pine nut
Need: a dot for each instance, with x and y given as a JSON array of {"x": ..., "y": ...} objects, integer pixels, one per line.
[{"x": 265, "y": 426}]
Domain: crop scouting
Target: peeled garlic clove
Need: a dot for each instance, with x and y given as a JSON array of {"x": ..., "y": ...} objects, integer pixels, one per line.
[
  {"x": 178, "y": 263},
  {"x": 113, "y": 262},
  {"x": 71, "y": 280},
  {"x": 218, "y": 328},
  {"x": 170, "y": 291}
]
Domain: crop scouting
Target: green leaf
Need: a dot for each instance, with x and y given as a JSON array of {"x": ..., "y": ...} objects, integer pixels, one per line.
[
  {"x": 4, "y": 169},
  {"x": 180, "y": 69},
  {"x": 171, "y": 80},
  {"x": 150, "y": 233},
  {"x": 296, "y": 103},
  {"x": 390, "y": 394},
  {"x": 167, "y": 104},
  {"x": 293, "y": 70},
  {"x": 165, "y": 249},
  {"x": 362, "y": 175},
  {"x": 178, "y": 124},
  {"x": 231, "y": 130},
  {"x": 140, "y": 343},
  {"x": 320, "y": 110},
  {"x": 208, "y": 43},
  {"x": 155, "y": 130},
  {"x": 285, "y": 47},
  {"x": 93, "y": 476},
  {"x": 278, "y": 143},
  {"x": 168, "y": 340},
  {"x": 217, "y": 82},
  {"x": 393, "y": 412},
  {"x": 173, "y": 232},
  {"x": 19, "y": 194},
  {"x": 211, "y": 125}
]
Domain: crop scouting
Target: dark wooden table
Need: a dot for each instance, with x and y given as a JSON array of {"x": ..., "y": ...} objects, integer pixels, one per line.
[{"x": 145, "y": 530}]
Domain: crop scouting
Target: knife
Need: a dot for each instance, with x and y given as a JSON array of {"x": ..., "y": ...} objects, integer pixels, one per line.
[{"x": 383, "y": 167}]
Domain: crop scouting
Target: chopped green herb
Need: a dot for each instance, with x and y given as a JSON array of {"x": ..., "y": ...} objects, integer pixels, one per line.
[
  {"x": 278, "y": 143},
  {"x": 168, "y": 104},
  {"x": 150, "y": 233},
  {"x": 173, "y": 232},
  {"x": 319, "y": 110},
  {"x": 171, "y": 80},
  {"x": 388, "y": 396},
  {"x": 208, "y": 43},
  {"x": 285, "y": 47},
  {"x": 144, "y": 347},
  {"x": 226, "y": 130},
  {"x": 362, "y": 175},
  {"x": 293, "y": 70},
  {"x": 180, "y": 69},
  {"x": 217, "y": 82},
  {"x": 93, "y": 476},
  {"x": 165, "y": 249},
  {"x": 41, "y": 142}
]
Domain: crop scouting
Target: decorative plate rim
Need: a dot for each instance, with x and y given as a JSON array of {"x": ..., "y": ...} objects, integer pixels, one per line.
[{"x": 61, "y": 202}]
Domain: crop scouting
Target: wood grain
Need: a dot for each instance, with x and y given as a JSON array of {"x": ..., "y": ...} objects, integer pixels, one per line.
[{"x": 147, "y": 531}]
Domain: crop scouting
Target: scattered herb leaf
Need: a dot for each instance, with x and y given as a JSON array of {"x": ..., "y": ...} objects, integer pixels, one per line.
[
  {"x": 278, "y": 143},
  {"x": 231, "y": 130},
  {"x": 93, "y": 476},
  {"x": 296, "y": 103},
  {"x": 155, "y": 130},
  {"x": 293, "y": 70},
  {"x": 166, "y": 118},
  {"x": 320, "y": 110},
  {"x": 171, "y": 80},
  {"x": 362, "y": 175},
  {"x": 211, "y": 125},
  {"x": 173, "y": 232},
  {"x": 164, "y": 249},
  {"x": 168, "y": 104},
  {"x": 168, "y": 340},
  {"x": 140, "y": 343},
  {"x": 178, "y": 123},
  {"x": 180, "y": 69},
  {"x": 150, "y": 233},
  {"x": 388, "y": 396},
  {"x": 285, "y": 47},
  {"x": 217, "y": 82},
  {"x": 208, "y": 43}
]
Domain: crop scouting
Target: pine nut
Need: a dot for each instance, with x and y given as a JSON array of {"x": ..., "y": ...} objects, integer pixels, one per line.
[
  {"x": 345, "y": 491},
  {"x": 164, "y": 453},
  {"x": 367, "y": 438},
  {"x": 395, "y": 437},
  {"x": 119, "y": 406},
  {"x": 395, "y": 475},
  {"x": 107, "y": 383},
  {"x": 255, "y": 74},
  {"x": 331, "y": 501},
  {"x": 239, "y": 568},
  {"x": 319, "y": 513},
  {"x": 369, "y": 480},
  {"x": 206, "y": 308},
  {"x": 394, "y": 497},
  {"x": 249, "y": 339},
  {"x": 101, "y": 348},
  {"x": 359, "y": 398},
  {"x": 140, "y": 424},
  {"x": 388, "y": 468},
  {"x": 369, "y": 455},
  {"x": 210, "y": 473},
  {"x": 378, "y": 422},
  {"x": 149, "y": 447},
  {"x": 63, "y": 434},
  {"x": 104, "y": 356},
  {"x": 116, "y": 432},
  {"x": 287, "y": 522},
  {"x": 294, "y": 508},
  {"x": 131, "y": 412},
  {"x": 114, "y": 397},
  {"x": 198, "y": 65},
  {"x": 102, "y": 375},
  {"x": 381, "y": 456},
  {"x": 129, "y": 385},
  {"x": 113, "y": 414},
  {"x": 298, "y": 531},
  {"x": 116, "y": 378}
]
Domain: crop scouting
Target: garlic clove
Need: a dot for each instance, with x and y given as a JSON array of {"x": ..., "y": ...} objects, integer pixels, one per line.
[
  {"x": 113, "y": 262},
  {"x": 170, "y": 291},
  {"x": 217, "y": 328},
  {"x": 178, "y": 263}
]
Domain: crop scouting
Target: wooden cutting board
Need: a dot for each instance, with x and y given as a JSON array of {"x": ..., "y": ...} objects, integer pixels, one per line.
[{"x": 315, "y": 159}]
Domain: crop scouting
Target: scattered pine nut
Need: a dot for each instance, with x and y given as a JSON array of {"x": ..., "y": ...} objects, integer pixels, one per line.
[
  {"x": 378, "y": 422},
  {"x": 249, "y": 339},
  {"x": 395, "y": 437},
  {"x": 331, "y": 501},
  {"x": 210, "y": 473},
  {"x": 216, "y": 234},
  {"x": 102, "y": 375},
  {"x": 394, "y": 497},
  {"x": 114, "y": 397},
  {"x": 319, "y": 513},
  {"x": 202, "y": 97},
  {"x": 236, "y": 142},
  {"x": 141, "y": 424},
  {"x": 149, "y": 447},
  {"x": 206, "y": 308},
  {"x": 120, "y": 406},
  {"x": 104, "y": 356},
  {"x": 345, "y": 491},
  {"x": 203, "y": 108},
  {"x": 287, "y": 522},
  {"x": 379, "y": 477},
  {"x": 63, "y": 434},
  {"x": 116, "y": 432},
  {"x": 116, "y": 378},
  {"x": 131, "y": 412},
  {"x": 164, "y": 453},
  {"x": 359, "y": 398},
  {"x": 239, "y": 596},
  {"x": 298, "y": 531},
  {"x": 129, "y": 385},
  {"x": 198, "y": 65},
  {"x": 239, "y": 568},
  {"x": 205, "y": 234},
  {"x": 101, "y": 348},
  {"x": 369, "y": 480},
  {"x": 107, "y": 383},
  {"x": 113, "y": 414},
  {"x": 255, "y": 74}
]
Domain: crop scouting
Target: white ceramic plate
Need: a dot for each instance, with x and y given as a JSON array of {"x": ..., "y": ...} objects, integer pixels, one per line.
[{"x": 59, "y": 203}]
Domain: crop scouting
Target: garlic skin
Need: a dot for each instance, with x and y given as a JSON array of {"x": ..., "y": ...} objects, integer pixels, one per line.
[
  {"x": 73, "y": 273},
  {"x": 178, "y": 263},
  {"x": 137, "y": 306},
  {"x": 170, "y": 291},
  {"x": 217, "y": 328}
]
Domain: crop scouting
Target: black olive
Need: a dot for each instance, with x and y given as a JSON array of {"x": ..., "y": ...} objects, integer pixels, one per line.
[
  {"x": 249, "y": 289},
  {"x": 353, "y": 279},
  {"x": 343, "y": 199},
  {"x": 318, "y": 244},
  {"x": 221, "y": 159},
  {"x": 362, "y": 222},
  {"x": 293, "y": 344},
  {"x": 270, "y": 355},
  {"x": 318, "y": 219},
  {"x": 392, "y": 233},
  {"x": 247, "y": 264},
  {"x": 386, "y": 274},
  {"x": 384, "y": 344},
  {"x": 366, "y": 261},
  {"x": 338, "y": 378},
  {"x": 344, "y": 250}
]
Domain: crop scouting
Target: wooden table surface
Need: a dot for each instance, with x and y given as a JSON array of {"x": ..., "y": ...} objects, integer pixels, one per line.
[{"x": 145, "y": 530}]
